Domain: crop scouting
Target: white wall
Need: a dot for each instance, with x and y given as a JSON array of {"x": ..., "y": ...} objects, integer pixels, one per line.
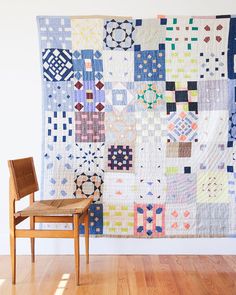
[{"x": 20, "y": 106}]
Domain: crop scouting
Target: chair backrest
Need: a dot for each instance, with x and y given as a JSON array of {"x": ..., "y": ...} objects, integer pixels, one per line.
[{"x": 23, "y": 177}]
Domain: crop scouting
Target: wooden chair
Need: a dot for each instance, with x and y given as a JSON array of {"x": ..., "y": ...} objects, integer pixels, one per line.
[{"x": 23, "y": 182}]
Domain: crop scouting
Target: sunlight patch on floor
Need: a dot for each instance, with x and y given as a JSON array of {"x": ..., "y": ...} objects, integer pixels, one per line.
[
  {"x": 2, "y": 281},
  {"x": 62, "y": 284}
]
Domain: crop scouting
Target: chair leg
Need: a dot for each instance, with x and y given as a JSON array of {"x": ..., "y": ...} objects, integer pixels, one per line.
[
  {"x": 13, "y": 256},
  {"x": 32, "y": 240},
  {"x": 76, "y": 247},
  {"x": 86, "y": 225}
]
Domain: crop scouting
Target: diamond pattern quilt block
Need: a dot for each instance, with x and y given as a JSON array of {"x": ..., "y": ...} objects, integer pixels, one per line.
[
  {"x": 57, "y": 184},
  {"x": 58, "y": 164},
  {"x": 180, "y": 220},
  {"x": 89, "y": 97},
  {"x": 57, "y": 64},
  {"x": 57, "y": 155},
  {"x": 149, "y": 65},
  {"x": 182, "y": 127},
  {"x": 119, "y": 97},
  {"x": 149, "y": 220}
]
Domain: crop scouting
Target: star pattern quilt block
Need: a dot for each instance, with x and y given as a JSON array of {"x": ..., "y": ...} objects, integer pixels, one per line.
[
  {"x": 140, "y": 114},
  {"x": 150, "y": 96},
  {"x": 118, "y": 34}
]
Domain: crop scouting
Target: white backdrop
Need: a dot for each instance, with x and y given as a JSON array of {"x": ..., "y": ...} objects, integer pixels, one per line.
[{"x": 20, "y": 108}]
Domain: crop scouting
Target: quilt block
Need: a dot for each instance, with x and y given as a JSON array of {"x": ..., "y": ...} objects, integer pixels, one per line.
[{"x": 140, "y": 114}]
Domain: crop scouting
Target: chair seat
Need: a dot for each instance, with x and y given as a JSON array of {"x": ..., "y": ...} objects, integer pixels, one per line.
[{"x": 58, "y": 206}]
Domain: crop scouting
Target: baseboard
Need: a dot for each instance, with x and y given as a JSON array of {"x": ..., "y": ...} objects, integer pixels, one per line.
[{"x": 112, "y": 246}]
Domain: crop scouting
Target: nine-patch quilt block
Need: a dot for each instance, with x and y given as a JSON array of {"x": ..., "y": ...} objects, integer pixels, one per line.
[{"x": 140, "y": 114}]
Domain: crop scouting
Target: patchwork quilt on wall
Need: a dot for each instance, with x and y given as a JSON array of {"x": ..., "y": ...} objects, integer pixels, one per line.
[{"x": 141, "y": 115}]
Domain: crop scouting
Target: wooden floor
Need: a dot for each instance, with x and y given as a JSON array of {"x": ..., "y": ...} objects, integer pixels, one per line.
[{"x": 54, "y": 275}]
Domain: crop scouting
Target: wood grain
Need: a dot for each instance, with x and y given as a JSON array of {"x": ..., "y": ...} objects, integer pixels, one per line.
[
  {"x": 23, "y": 181},
  {"x": 58, "y": 206},
  {"x": 108, "y": 275}
]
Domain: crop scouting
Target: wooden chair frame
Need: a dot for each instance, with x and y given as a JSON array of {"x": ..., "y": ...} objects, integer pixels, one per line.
[{"x": 76, "y": 219}]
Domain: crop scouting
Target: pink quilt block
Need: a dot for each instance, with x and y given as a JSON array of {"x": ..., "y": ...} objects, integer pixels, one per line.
[{"x": 149, "y": 220}]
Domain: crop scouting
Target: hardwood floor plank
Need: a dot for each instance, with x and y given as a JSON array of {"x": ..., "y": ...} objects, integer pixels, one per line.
[{"x": 121, "y": 275}]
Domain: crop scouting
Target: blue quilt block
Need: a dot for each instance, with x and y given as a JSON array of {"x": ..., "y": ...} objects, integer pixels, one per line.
[
  {"x": 59, "y": 126},
  {"x": 95, "y": 220},
  {"x": 55, "y": 32},
  {"x": 232, "y": 95},
  {"x": 89, "y": 98},
  {"x": 88, "y": 65},
  {"x": 232, "y": 50},
  {"x": 57, "y": 65},
  {"x": 59, "y": 96},
  {"x": 149, "y": 65},
  {"x": 232, "y": 126}
]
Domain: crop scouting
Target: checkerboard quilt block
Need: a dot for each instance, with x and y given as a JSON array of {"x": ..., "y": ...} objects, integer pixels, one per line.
[{"x": 140, "y": 114}]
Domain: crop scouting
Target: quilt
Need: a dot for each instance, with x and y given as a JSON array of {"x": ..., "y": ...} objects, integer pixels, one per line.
[{"x": 140, "y": 114}]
